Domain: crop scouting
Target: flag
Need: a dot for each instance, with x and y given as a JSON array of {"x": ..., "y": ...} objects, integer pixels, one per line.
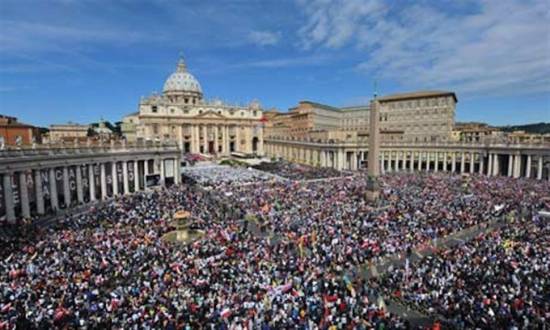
[{"x": 225, "y": 313}]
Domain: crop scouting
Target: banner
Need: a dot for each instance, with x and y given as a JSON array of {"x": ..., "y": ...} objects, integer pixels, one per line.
[
  {"x": 46, "y": 189},
  {"x": 169, "y": 168},
  {"x": 16, "y": 192},
  {"x": 58, "y": 171},
  {"x": 97, "y": 180},
  {"x": 85, "y": 175},
  {"x": 109, "y": 179},
  {"x": 131, "y": 176},
  {"x": 72, "y": 184},
  {"x": 120, "y": 177}
]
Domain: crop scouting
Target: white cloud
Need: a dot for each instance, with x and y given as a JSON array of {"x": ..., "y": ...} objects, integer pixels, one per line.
[
  {"x": 497, "y": 47},
  {"x": 264, "y": 38}
]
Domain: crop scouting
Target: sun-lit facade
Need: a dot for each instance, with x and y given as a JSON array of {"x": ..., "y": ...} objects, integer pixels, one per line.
[{"x": 182, "y": 115}]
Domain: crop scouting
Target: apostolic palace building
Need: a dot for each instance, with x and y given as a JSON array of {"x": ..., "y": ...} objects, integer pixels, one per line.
[{"x": 417, "y": 133}]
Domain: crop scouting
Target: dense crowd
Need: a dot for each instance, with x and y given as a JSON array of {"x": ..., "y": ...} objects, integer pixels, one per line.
[
  {"x": 498, "y": 280},
  {"x": 293, "y": 171},
  {"x": 108, "y": 268},
  {"x": 222, "y": 174}
]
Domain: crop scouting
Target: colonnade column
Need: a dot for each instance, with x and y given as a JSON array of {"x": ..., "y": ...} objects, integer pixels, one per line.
[
  {"x": 390, "y": 166},
  {"x": 453, "y": 160},
  {"x": 53, "y": 190},
  {"x": 238, "y": 139},
  {"x": 205, "y": 138},
  {"x": 125, "y": 182},
  {"x": 8, "y": 197},
  {"x": 180, "y": 136},
  {"x": 177, "y": 175},
  {"x": 539, "y": 168},
  {"x": 103, "y": 181},
  {"x": 428, "y": 159},
  {"x": 472, "y": 162},
  {"x": 463, "y": 162},
  {"x": 496, "y": 164},
  {"x": 79, "y": 191},
  {"x": 510, "y": 164},
  {"x": 114, "y": 175},
  {"x": 92, "y": 182},
  {"x": 66, "y": 188},
  {"x": 136, "y": 175},
  {"x": 517, "y": 166},
  {"x": 411, "y": 164},
  {"x": 481, "y": 163},
  {"x": 24, "y": 192},
  {"x": 38, "y": 191},
  {"x": 490, "y": 165},
  {"x": 216, "y": 150},
  {"x": 162, "y": 177},
  {"x": 528, "y": 167},
  {"x": 436, "y": 161},
  {"x": 382, "y": 165}
]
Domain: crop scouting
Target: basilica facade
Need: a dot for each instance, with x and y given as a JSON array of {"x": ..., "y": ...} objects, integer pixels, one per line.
[{"x": 198, "y": 126}]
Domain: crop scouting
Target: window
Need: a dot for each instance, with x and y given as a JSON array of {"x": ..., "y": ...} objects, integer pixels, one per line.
[
  {"x": 155, "y": 128},
  {"x": 255, "y": 113},
  {"x": 186, "y": 100},
  {"x": 172, "y": 110},
  {"x": 185, "y": 111},
  {"x": 154, "y": 109}
]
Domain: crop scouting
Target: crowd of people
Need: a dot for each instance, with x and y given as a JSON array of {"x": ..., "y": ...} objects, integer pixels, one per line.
[
  {"x": 497, "y": 280},
  {"x": 108, "y": 268},
  {"x": 294, "y": 171},
  {"x": 213, "y": 175}
]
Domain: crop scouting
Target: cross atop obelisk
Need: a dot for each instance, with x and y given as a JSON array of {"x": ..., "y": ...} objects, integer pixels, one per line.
[{"x": 373, "y": 169}]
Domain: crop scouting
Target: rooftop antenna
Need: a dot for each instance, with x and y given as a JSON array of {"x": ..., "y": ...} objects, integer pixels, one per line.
[{"x": 375, "y": 88}]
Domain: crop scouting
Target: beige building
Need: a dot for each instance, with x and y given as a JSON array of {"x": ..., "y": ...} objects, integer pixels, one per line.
[
  {"x": 181, "y": 114},
  {"x": 416, "y": 135},
  {"x": 67, "y": 132},
  {"x": 426, "y": 116}
]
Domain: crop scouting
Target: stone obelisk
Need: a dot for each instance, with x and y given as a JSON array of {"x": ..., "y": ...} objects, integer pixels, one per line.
[{"x": 373, "y": 170}]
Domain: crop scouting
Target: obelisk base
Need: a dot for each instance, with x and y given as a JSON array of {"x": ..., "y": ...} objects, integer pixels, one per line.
[{"x": 373, "y": 190}]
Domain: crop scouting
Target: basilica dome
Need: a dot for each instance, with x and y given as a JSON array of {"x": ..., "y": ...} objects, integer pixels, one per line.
[{"x": 182, "y": 81}]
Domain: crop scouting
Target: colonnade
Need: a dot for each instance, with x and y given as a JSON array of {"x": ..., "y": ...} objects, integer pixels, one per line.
[
  {"x": 515, "y": 163},
  {"x": 41, "y": 189}
]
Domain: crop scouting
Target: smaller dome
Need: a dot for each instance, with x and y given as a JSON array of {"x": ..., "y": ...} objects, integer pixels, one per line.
[{"x": 182, "y": 81}]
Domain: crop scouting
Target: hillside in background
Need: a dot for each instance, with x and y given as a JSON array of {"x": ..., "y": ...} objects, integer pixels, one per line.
[{"x": 540, "y": 128}]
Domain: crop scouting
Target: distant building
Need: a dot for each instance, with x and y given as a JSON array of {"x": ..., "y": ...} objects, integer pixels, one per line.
[
  {"x": 425, "y": 116},
  {"x": 128, "y": 127},
  {"x": 102, "y": 131},
  {"x": 13, "y": 132},
  {"x": 180, "y": 114},
  {"x": 68, "y": 132},
  {"x": 474, "y": 132}
]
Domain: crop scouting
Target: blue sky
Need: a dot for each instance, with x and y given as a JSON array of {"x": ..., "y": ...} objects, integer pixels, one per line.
[{"x": 83, "y": 60}]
